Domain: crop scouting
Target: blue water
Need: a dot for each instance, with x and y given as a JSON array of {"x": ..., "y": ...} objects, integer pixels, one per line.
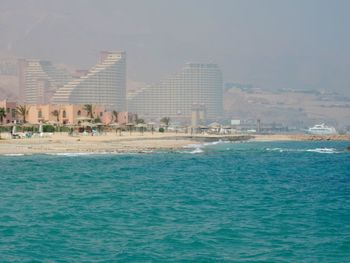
[{"x": 230, "y": 202}]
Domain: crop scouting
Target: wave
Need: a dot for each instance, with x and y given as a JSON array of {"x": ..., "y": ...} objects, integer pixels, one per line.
[
  {"x": 70, "y": 154},
  {"x": 199, "y": 147},
  {"x": 323, "y": 150},
  {"x": 205, "y": 144},
  {"x": 196, "y": 151},
  {"x": 275, "y": 149},
  {"x": 315, "y": 150}
]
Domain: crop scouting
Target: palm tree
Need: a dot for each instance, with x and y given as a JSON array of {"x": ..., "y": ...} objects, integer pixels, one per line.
[
  {"x": 166, "y": 122},
  {"x": 140, "y": 121},
  {"x": 2, "y": 115},
  {"x": 23, "y": 111},
  {"x": 115, "y": 115},
  {"x": 56, "y": 113},
  {"x": 88, "y": 108}
]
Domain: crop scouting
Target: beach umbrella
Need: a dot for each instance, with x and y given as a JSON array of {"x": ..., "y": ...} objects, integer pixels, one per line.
[
  {"x": 7, "y": 124},
  {"x": 70, "y": 125},
  {"x": 28, "y": 125},
  {"x": 116, "y": 126},
  {"x": 84, "y": 118},
  {"x": 141, "y": 126},
  {"x": 152, "y": 124},
  {"x": 130, "y": 125},
  {"x": 99, "y": 124},
  {"x": 87, "y": 124}
]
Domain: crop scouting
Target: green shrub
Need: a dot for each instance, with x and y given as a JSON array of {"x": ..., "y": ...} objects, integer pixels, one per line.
[
  {"x": 48, "y": 128},
  {"x": 64, "y": 129},
  {"x": 161, "y": 129}
]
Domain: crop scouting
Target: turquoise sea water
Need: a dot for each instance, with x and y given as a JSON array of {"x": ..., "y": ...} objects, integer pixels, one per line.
[{"x": 229, "y": 202}]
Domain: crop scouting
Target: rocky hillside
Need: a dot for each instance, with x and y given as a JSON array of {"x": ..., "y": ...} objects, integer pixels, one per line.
[{"x": 289, "y": 107}]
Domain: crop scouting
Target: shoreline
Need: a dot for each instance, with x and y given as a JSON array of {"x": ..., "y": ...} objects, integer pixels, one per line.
[{"x": 136, "y": 143}]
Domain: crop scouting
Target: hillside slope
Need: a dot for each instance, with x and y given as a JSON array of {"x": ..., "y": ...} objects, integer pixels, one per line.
[{"x": 294, "y": 108}]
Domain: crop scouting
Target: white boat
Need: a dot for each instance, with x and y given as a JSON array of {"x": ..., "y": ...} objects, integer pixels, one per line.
[{"x": 322, "y": 129}]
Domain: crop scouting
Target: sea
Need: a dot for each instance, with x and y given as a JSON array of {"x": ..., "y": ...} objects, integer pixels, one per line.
[{"x": 211, "y": 202}]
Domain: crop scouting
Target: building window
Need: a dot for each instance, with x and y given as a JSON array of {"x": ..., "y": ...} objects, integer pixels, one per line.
[
  {"x": 40, "y": 114},
  {"x": 79, "y": 112},
  {"x": 13, "y": 113},
  {"x": 101, "y": 114},
  {"x": 64, "y": 114}
]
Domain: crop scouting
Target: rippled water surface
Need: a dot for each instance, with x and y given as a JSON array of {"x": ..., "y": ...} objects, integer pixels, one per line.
[{"x": 273, "y": 202}]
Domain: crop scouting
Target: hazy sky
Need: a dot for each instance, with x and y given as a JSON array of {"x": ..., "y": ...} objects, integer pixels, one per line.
[{"x": 269, "y": 43}]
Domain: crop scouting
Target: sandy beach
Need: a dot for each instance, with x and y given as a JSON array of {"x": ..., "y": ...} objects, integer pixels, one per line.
[
  {"x": 136, "y": 142},
  {"x": 110, "y": 142}
]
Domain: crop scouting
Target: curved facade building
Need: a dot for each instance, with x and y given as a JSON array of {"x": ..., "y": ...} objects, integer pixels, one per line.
[
  {"x": 175, "y": 96},
  {"x": 104, "y": 84},
  {"x": 39, "y": 79}
]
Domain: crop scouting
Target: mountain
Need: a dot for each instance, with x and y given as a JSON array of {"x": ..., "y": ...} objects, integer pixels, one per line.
[{"x": 297, "y": 108}]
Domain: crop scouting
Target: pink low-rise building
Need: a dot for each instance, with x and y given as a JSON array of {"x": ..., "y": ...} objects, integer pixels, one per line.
[
  {"x": 74, "y": 114},
  {"x": 10, "y": 109},
  {"x": 64, "y": 114}
]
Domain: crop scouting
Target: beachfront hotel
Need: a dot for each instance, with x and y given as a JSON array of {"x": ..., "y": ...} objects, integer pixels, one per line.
[
  {"x": 39, "y": 79},
  {"x": 71, "y": 114},
  {"x": 104, "y": 84},
  {"x": 174, "y": 97}
]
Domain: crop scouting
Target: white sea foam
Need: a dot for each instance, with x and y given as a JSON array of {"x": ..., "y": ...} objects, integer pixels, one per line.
[
  {"x": 323, "y": 150},
  {"x": 14, "y": 154},
  {"x": 198, "y": 148},
  {"x": 316, "y": 150},
  {"x": 275, "y": 149},
  {"x": 196, "y": 151},
  {"x": 71, "y": 154},
  {"x": 214, "y": 143},
  {"x": 76, "y": 154},
  {"x": 205, "y": 144},
  {"x": 191, "y": 146}
]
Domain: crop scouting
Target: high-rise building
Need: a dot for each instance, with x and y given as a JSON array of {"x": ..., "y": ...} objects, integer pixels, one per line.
[
  {"x": 195, "y": 84},
  {"x": 39, "y": 79},
  {"x": 104, "y": 84}
]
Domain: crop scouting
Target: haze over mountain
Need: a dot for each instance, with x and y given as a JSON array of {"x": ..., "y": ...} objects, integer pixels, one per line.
[{"x": 271, "y": 44}]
